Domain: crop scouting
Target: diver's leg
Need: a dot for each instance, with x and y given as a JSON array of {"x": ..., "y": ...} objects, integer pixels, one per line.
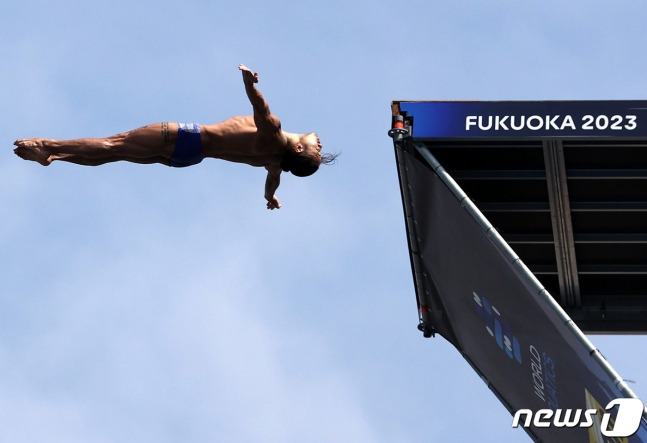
[{"x": 146, "y": 145}]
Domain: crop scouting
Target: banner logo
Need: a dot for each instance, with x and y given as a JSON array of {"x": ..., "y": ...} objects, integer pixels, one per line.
[{"x": 498, "y": 327}]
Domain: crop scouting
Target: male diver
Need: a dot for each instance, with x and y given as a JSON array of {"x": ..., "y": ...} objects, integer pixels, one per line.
[{"x": 256, "y": 140}]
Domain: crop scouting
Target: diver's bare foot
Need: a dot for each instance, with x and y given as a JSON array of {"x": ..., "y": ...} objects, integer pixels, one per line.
[{"x": 32, "y": 149}]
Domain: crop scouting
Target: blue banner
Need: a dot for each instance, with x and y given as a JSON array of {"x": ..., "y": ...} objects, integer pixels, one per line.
[{"x": 445, "y": 119}]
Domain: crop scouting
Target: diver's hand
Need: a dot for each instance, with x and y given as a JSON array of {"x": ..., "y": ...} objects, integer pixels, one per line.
[
  {"x": 248, "y": 75},
  {"x": 273, "y": 203}
]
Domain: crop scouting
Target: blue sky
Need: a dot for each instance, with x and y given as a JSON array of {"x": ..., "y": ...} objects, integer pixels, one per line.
[{"x": 141, "y": 303}]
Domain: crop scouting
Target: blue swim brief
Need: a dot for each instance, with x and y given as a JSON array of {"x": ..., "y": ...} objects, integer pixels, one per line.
[{"x": 188, "y": 147}]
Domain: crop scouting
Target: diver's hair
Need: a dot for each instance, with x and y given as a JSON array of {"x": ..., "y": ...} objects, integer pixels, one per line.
[{"x": 303, "y": 164}]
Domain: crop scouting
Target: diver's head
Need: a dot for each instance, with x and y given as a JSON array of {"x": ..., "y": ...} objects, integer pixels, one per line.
[{"x": 304, "y": 157}]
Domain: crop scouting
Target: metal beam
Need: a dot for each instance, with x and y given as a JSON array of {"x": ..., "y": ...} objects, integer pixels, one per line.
[{"x": 560, "y": 213}]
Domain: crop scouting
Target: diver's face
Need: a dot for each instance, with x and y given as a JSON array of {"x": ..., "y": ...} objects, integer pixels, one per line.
[{"x": 311, "y": 144}]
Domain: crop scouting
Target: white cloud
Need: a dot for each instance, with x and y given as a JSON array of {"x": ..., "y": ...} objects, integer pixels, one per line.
[{"x": 169, "y": 350}]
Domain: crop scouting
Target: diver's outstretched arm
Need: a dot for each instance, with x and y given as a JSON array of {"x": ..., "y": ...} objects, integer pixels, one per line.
[
  {"x": 271, "y": 185},
  {"x": 267, "y": 123}
]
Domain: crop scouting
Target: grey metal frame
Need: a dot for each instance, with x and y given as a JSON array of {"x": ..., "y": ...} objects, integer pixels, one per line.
[{"x": 402, "y": 137}]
